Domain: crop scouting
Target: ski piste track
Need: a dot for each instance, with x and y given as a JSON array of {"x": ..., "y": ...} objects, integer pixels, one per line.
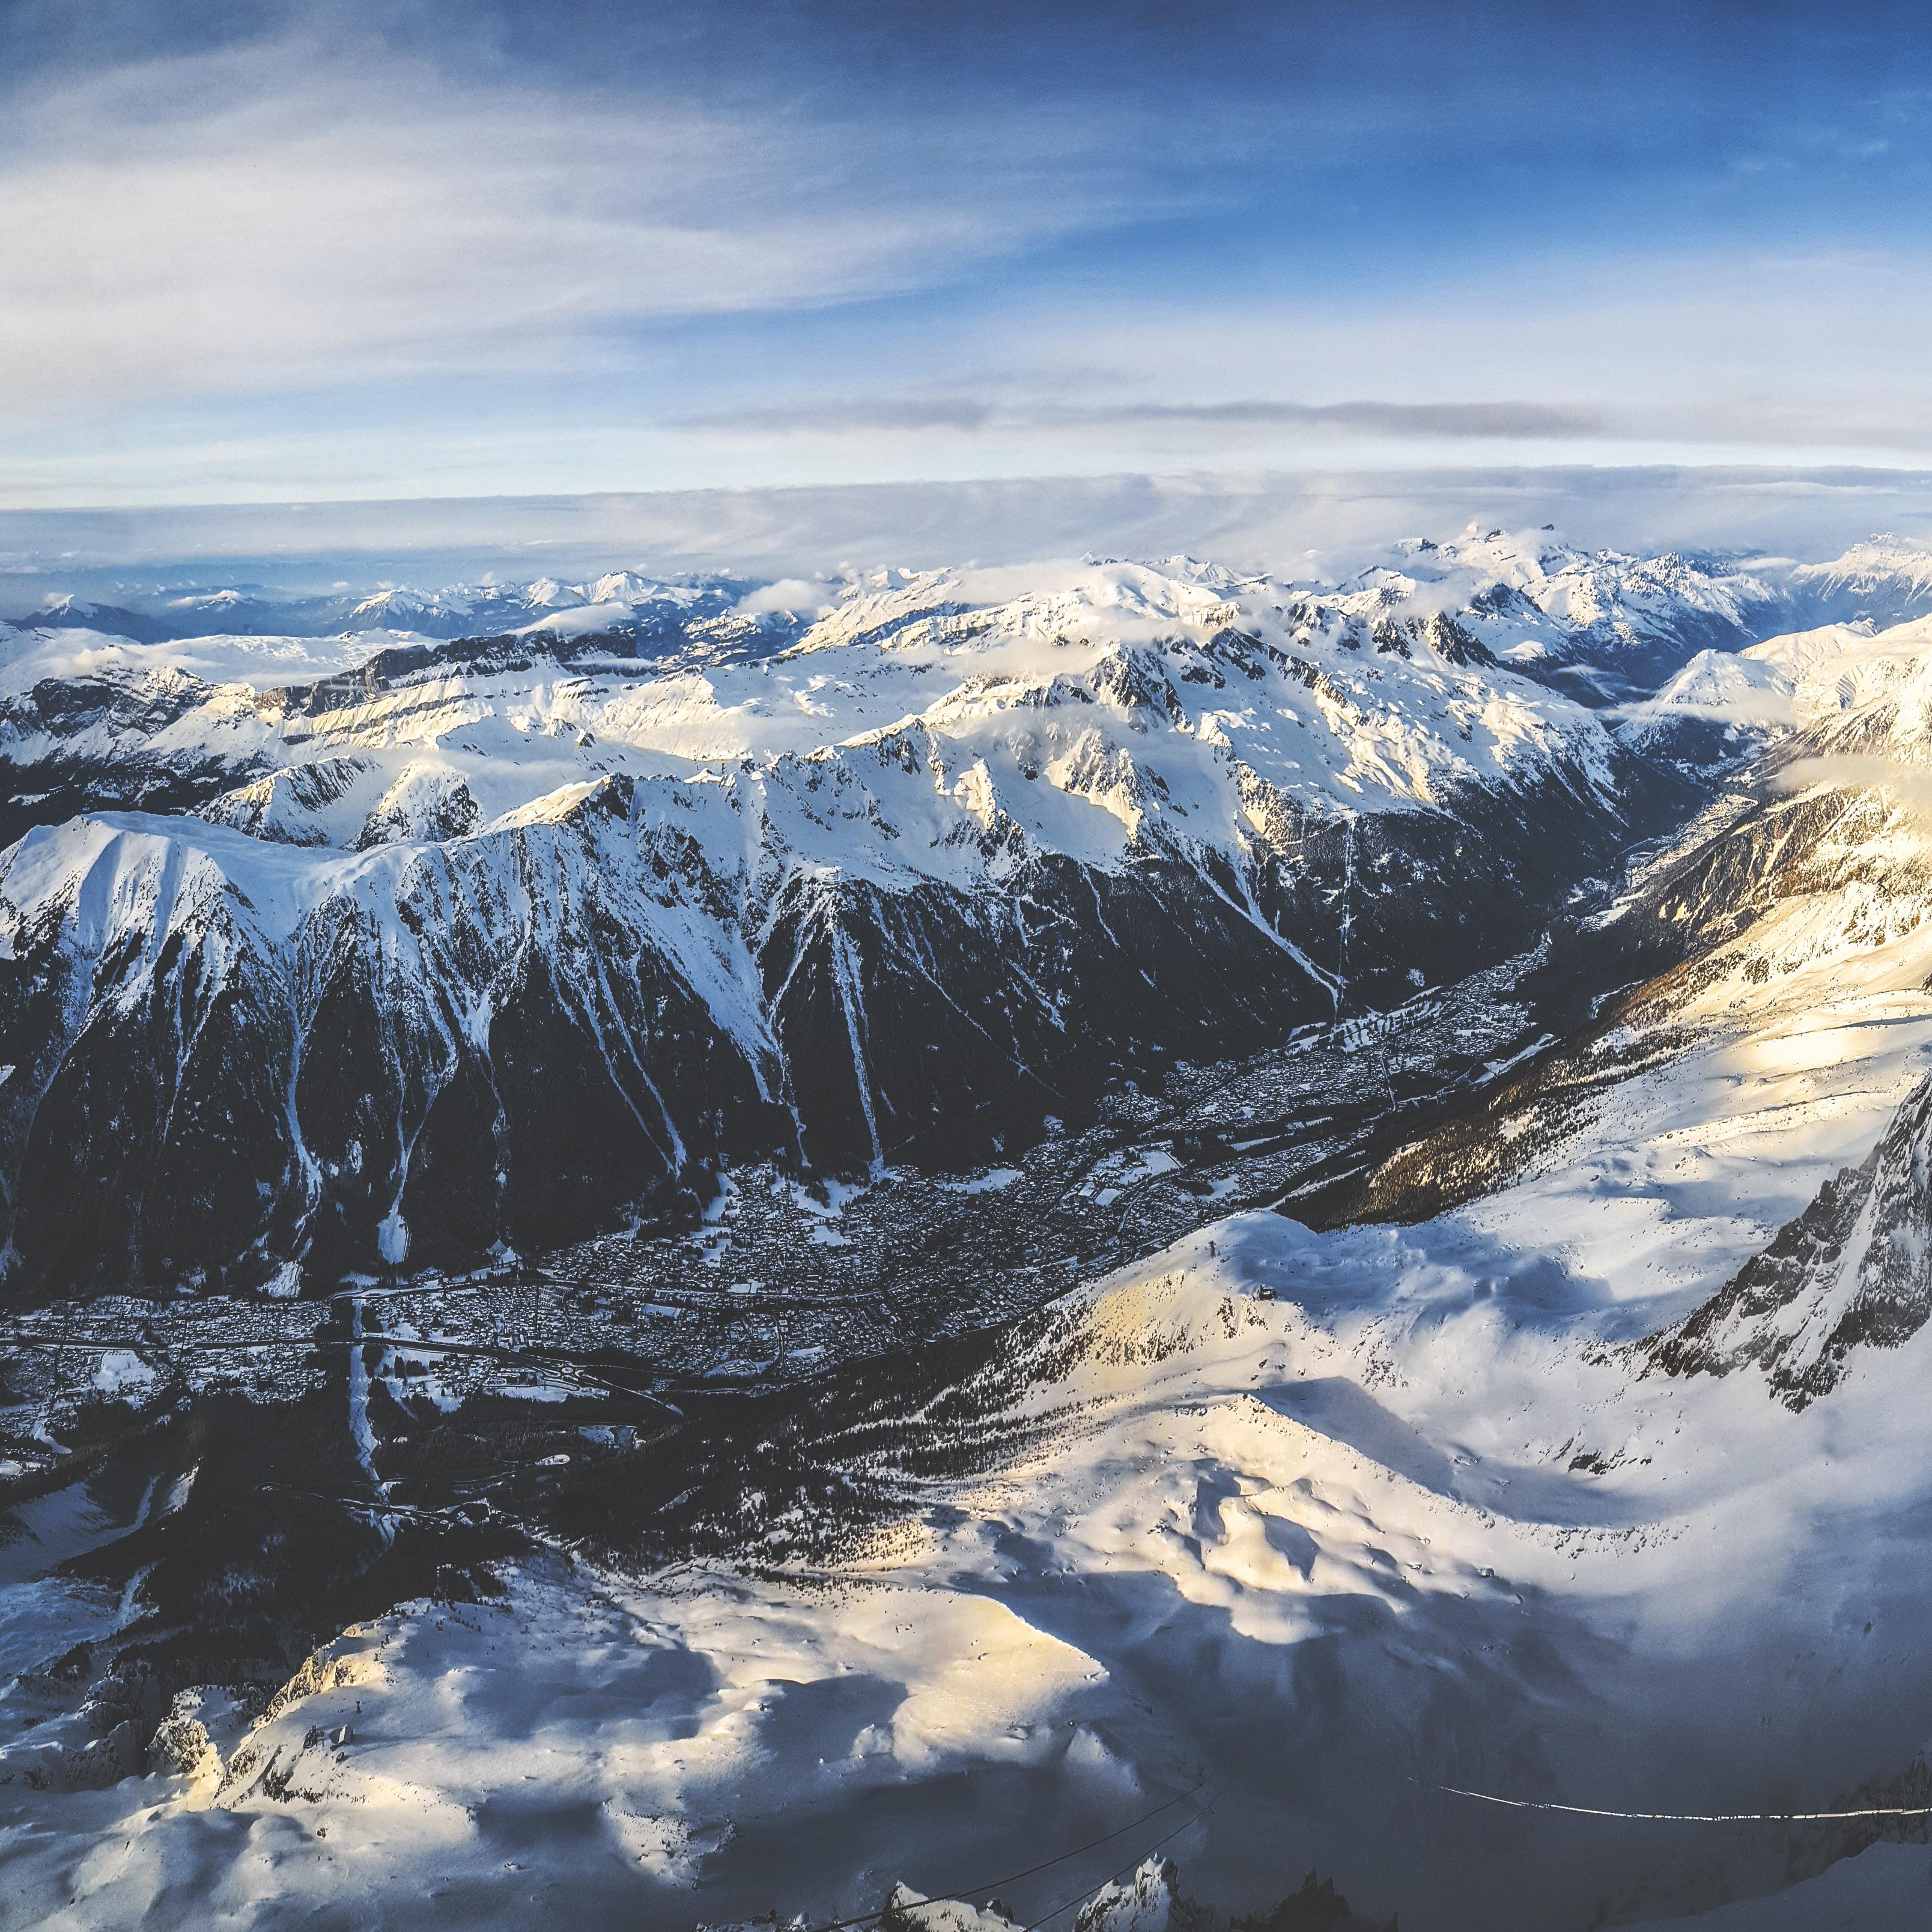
[{"x": 1691, "y": 1817}]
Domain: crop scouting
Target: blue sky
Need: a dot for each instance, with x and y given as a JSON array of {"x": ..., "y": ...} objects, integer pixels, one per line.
[{"x": 272, "y": 251}]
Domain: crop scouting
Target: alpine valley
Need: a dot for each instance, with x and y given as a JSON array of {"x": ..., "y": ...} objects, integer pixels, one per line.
[{"x": 923, "y": 1247}]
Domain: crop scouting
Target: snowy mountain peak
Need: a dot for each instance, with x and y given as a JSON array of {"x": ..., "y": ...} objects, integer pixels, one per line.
[
  {"x": 1885, "y": 579},
  {"x": 397, "y": 603},
  {"x": 776, "y": 1087},
  {"x": 815, "y": 848},
  {"x": 212, "y": 601}
]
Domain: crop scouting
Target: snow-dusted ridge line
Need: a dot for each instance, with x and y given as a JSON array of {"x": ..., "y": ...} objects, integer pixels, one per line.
[
  {"x": 926, "y": 876},
  {"x": 1848, "y": 1273},
  {"x": 1344, "y": 1510},
  {"x": 953, "y": 847}
]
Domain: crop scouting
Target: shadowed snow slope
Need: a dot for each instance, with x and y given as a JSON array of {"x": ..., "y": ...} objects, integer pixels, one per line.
[
  {"x": 1332, "y": 1519},
  {"x": 1296, "y": 1524}
]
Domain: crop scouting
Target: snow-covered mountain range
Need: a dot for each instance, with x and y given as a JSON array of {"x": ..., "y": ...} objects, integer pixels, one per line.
[
  {"x": 606, "y": 1085},
  {"x": 904, "y": 873},
  {"x": 905, "y": 882}
]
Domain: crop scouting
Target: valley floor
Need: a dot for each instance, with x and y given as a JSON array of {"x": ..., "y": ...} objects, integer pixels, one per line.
[
  {"x": 1242, "y": 1549},
  {"x": 1307, "y": 1526}
]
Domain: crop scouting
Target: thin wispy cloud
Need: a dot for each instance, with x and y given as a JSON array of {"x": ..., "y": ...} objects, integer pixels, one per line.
[
  {"x": 300, "y": 248},
  {"x": 287, "y": 214},
  {"x": 1785, "y": 420},
  {"x": 857, "y": 415}
]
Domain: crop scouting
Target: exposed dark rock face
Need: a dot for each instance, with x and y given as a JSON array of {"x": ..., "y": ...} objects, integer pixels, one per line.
[
  {"x": 345, "y": 1020},
  {"x": 81, "y": 744},
  {"x": 516, "y": 1037},
  {"x": 1854, "y": 1269},
  {"x": 500, "y": 1050}
]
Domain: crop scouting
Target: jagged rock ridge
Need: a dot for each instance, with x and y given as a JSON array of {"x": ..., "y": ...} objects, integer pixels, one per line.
[{"x": 1853, "y": 1270}]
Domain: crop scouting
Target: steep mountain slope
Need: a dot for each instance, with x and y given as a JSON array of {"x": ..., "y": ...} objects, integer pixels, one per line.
[
  {"x": 1600, "y": 624},
  {"x": 1436, "y": 1495},
  {"x": 1339, "y": 1519},
  {"x": 905, "y": 879},
  {"x": 1884, "y": 581},
  {"x": 1722, "y": 705},
  {"x": 972, "y": 847},
  {"x": 1854, "y": 1270}
]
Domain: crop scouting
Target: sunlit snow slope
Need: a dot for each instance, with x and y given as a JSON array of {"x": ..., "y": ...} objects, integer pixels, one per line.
[{"x": 1576, "y": 1456}]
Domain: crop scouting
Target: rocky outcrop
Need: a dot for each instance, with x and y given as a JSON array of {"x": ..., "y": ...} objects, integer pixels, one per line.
[{"x": 1854, "y": 1270}]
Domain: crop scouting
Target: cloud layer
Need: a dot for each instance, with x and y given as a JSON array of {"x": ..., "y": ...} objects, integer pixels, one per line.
[
  {"x": 1316, "y": 523},
  {"x": 282, "y": 217},
  {"x": 293, "y": 248}
]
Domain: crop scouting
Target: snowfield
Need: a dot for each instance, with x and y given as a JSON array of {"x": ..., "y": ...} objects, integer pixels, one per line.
[
  {"x": 1315, "y": 1521},
  {"x": 1491, "y": 1478}
]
